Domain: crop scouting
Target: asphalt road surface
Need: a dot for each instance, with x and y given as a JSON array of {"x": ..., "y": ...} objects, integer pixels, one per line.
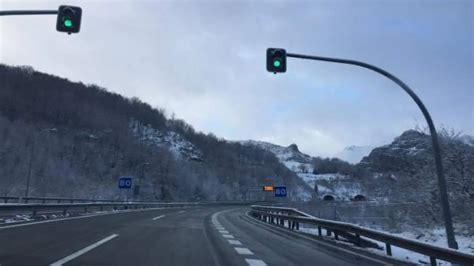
[{"x": 189, "y": 236}]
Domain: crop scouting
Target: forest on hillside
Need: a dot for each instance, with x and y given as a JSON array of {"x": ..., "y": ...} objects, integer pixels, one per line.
[{"x": 75, "y": 140}]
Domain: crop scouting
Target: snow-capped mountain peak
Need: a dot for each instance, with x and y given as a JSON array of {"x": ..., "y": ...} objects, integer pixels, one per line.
[{"x": 354, "y": 154}]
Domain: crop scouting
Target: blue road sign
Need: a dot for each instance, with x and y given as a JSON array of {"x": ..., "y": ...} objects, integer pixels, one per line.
[
  {"x": 125, "y": 182},
  {"x": 280, "y": 191}
]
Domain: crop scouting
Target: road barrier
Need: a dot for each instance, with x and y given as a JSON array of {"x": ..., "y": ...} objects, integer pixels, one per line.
[
  {"x": 34, "y": 207},
  {"x": 354, "y": 233}
]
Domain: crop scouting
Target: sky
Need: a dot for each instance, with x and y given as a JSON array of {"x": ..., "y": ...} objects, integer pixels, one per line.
[{"x": 204, "y": 62}]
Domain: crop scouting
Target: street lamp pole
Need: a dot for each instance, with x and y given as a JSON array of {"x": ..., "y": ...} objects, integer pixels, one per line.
[{"x": 434, "y": 136}]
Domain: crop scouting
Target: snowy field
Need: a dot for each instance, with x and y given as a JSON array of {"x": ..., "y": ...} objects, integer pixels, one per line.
[{"x": 435, "y": 237}]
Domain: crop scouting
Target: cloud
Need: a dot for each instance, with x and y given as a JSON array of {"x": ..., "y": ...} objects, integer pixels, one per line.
[{"x": 205, "y": 62}]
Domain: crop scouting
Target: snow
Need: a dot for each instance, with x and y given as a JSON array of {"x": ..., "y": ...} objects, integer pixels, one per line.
[
  {"x": 179, "y": 146},
  {"x": 354, "y": 154},
  {"x": 435, "y": 237},
  {"x": 301, "y": 194},
  {"x": 468, "y": 140}
]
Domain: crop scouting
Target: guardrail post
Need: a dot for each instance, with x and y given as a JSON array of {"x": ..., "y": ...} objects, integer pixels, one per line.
[
  {"x": 319, "y": 231},
  {"x": 336, "y": 236},
  {"x": 358, "y": 240},
  {"x": 328, "y": 232},
  {"x": 433, "y": 261},
  {"x": 297, "y": 226},
  {"x": 64, "y": 212},
  {"x": 34, "y": 213},
  {"x": 44, "y": 200},
  {"x": 6, "y": 200},
  {"x": 389, "y": 249},
  {"x": 59, "y": 201}
]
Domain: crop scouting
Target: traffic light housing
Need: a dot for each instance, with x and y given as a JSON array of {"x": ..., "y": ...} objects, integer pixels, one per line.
[
  {"x": 69, "y": 19},
  {"x": 276, "y": 60}
]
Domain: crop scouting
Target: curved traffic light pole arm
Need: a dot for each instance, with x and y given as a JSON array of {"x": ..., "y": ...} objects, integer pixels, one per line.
[
  {"x": 28, "y": 12},
  {"x": 434, "y": 136}
]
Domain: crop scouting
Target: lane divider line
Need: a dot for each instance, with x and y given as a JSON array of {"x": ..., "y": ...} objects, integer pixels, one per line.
[
  {"x": 82, "y": 251},
  {"x": 158, "y": 217},
  {"x": 243, "y": 251},
  {"x": 234, "y": 242},
  {"x": 254, "y": 262}
]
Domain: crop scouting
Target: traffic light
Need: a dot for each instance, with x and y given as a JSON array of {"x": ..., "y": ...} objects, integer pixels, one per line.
[
  {"x": 69, "y": 19},
  {"x": 276, "y": 60}
]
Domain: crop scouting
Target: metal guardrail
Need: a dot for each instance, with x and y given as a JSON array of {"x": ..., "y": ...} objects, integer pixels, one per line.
[
  {"x": 293, "y": 217},
  {"x": 7, "y": 199},
  {"x": 65, "y": 205}
]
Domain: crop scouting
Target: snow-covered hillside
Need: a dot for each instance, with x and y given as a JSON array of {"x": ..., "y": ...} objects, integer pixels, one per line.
[
  {"x": 290, "y": 156},
  {"x": 468, "y": 140},
  {"x": 354, "y": 154},
  {"x": 336, "y": 185},
  {"x": 179, "y": 146}
]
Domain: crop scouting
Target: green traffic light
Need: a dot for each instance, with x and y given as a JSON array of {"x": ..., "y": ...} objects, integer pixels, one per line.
[
  {"x": 68, "y": 23},
  {"x": 276, "y": 63}
]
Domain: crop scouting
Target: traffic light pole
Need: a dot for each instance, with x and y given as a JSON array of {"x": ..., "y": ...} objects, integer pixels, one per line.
[
  {"x": 434, "y": 136},
  {"x": 28, "y": 12}
]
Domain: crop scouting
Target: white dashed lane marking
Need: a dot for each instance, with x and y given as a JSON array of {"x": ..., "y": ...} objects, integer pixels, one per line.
[
  {"x": 234, "y": 242},
  {"x": 158, "y": 217},
  {"x": 254, "y": 262},
  {"x": 243, "y": 251}
]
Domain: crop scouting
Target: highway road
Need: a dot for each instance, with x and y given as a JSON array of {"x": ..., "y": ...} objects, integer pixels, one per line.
[{"x": 190, "y": 236}]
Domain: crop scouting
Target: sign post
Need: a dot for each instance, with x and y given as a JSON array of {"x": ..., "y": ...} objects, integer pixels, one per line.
[{"x": 125, "y": 182}]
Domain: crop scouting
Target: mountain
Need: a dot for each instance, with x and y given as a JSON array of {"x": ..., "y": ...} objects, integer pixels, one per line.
[
  {"x": 76, "y": 140},
  {"x": 468, "y": 140},
  {"x": 354, "y": 154},
  {"x": 409, "y": 150},
  {"x": 324, "y": 176},
  {"x": 404, "y": 171},
  {"x": 290, "y": 156}
]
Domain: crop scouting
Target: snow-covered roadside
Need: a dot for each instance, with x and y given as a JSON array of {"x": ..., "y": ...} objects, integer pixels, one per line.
[{"x": 435, "y": 237}]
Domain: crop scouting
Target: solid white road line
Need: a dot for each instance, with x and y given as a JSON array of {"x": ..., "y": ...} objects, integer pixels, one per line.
[
  {"x": 243, "y": 251},
  {"x": 158, "y": 217},
  {"x": 82, "y": 251},
  {"x": 228, "y": 236},
  {"x": 181, "y": 211},
  {"x": 254, "y": 262},
  {"x": 77, "y": 217},
  {"x": 223, "y": 231},
  {"x": 234, "y": 242}
]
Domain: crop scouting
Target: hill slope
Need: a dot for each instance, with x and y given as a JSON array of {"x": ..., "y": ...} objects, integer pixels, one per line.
[{"x": 76, "y": 140}]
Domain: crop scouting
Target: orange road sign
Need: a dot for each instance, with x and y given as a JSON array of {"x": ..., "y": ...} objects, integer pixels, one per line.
[{"x": 267, "y": 188}]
